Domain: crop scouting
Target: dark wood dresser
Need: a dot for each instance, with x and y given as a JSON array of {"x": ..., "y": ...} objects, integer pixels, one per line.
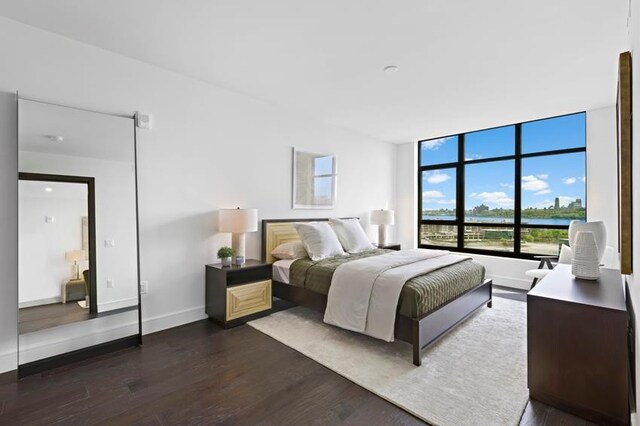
[{"x": 577, "y": 345}]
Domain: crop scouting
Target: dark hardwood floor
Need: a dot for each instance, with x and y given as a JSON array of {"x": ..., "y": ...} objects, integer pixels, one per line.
[
  {"x": 46, "y": 316},
  {"x": 201, "y": 374}
]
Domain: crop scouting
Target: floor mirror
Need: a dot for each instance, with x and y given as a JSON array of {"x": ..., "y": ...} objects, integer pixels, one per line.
[{"x": 78, "y": 268}]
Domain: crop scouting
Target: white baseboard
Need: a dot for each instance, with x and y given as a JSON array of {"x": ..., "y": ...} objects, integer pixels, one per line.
[
  {"x": 504, "y": 281},
  {"x": 117, "y": 304},
  {"x": 173, "y": 319},
  {"x": 39, "y": 302},
  {"x": 8, "y": 361}
]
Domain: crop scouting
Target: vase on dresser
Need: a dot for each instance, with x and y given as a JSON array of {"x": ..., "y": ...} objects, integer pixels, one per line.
[
  {"x": 586, "y": 261},
  {"x": 598, "y": 229}
]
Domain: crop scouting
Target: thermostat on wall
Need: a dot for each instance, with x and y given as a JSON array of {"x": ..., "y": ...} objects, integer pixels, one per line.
[{"x": 143, "y": 121}]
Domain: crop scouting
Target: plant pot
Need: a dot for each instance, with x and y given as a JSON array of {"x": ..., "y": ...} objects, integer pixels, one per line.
[{"x": 226, "y": 261}]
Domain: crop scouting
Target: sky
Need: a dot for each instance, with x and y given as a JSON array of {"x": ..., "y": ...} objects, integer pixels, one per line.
[{"x": 492, "y": 184}]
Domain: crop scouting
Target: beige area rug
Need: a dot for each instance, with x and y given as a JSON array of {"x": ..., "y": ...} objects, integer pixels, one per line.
[{"x": 476, "y": 375}]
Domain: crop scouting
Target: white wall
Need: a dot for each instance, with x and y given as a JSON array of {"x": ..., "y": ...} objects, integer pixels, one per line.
[
  {"x": 115, "y": 220},
  {"x": 406, "y": 200},
  {"x": 601, "y": 195},
  {"x": 209, "y": 149},
  {"x": 43, "y": 243}
]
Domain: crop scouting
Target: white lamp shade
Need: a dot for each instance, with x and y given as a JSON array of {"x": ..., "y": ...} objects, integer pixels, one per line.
[
  {"x": 238, "y": 221},
  {"x": 74, "y": 256},
  {"x": 382, "y": 217}
]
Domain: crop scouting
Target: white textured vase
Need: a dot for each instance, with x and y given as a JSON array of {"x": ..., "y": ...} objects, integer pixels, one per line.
[
  {"x": 599, "y": 234},
  {"x": 585, "y": 263}
]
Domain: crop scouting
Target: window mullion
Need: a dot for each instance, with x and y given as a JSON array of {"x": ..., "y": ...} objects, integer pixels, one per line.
[
  {"x": 517, "y": 210},
  {"x": 460, "y": 191}
]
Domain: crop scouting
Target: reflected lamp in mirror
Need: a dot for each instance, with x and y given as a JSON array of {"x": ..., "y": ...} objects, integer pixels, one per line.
[
  {"x": 382, "y": 218},
  {"x": 75, "y": 256},
  {"x": 314, "y": 180},
  {"x": 238, "y": 222}
]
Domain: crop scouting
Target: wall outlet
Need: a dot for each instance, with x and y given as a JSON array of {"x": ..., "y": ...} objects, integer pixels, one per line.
[
  {"x": 144, "y": 287},
  {"x": 109, "y": 243},
  {"x": 110, "y": 283},
  {"x": 49, "y": 219}
]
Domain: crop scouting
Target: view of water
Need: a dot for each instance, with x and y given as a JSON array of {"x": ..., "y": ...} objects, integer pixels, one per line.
[{"x": 537, "y": 221}]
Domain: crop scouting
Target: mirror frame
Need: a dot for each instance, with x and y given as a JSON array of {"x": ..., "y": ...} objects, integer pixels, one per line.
[{"x": 35, "y": 367}]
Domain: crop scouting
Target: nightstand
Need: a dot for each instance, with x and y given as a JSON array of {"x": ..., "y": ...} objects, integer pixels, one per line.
[
  {"x": 237, "y": 294},
  {"x": 389, "y": 246}
]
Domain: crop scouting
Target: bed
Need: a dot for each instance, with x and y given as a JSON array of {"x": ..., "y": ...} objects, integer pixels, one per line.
[{"x": 429, "y": 306}]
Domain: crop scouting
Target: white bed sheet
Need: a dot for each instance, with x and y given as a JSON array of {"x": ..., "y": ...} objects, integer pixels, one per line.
[{"x": 281, "y": 270}]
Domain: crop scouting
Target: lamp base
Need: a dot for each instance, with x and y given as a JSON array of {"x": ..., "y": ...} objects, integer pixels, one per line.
[
  {"x": 238, "y": 244},
  {"x": 382, "y": 234}
]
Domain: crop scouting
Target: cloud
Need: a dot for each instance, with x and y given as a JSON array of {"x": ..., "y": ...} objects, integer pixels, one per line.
[
  {"x": 569, "y": 180},
  {"x": 446, "y": 201},
  {"x": 430, "y": 195},
  {"x": 545, "y": 177},
  {"x": 543, "y": 192},
  {"x": 507, "y": 185},
  {"x": 434, "y": 144},
  {"x": 533, "y": 183},
  {"x": 436, "y": 177},
  {"x": 495, "y": 198},
  {"x": 583, "y": 179},
  {"x": 473, "y": 157}
]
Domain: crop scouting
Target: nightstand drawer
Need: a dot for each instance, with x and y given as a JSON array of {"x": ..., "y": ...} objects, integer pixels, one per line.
[{"x": 243, "y": 300}]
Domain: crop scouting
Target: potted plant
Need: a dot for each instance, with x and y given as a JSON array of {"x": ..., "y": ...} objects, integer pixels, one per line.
[{"x": 225, "y": 254}]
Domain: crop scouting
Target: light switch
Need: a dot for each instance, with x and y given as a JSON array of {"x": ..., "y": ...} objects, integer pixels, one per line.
[
  {"x": 49, "y": 219},
  {"x": 110, "y": 283},
  {"x": 109, "y": 243}
]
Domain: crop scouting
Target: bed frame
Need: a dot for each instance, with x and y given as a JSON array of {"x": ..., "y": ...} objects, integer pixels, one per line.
[{"x": 420, "y": 332}]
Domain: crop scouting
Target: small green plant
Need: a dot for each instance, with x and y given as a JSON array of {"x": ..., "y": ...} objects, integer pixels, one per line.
[{"x": 225, "y": 252}]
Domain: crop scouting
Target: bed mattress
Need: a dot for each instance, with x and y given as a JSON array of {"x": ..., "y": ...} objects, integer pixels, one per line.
[{"x": 419, "y": 296}]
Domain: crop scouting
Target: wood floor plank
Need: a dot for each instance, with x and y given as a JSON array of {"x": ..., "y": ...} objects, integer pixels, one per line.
[{"x": 201, "y": 374}]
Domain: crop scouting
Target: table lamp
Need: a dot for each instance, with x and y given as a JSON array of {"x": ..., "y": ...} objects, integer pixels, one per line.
[
  {"x": 238, "y": 222},
  {"x": 382, "y": 218},
  {"x": 75, "y": 256}
]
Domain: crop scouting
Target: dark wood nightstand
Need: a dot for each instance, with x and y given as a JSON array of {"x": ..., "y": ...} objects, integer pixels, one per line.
[
  {"x": 237, "y": 294},
  {"x": 389, "y": 246}
]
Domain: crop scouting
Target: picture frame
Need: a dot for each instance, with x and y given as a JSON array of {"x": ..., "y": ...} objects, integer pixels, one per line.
[
  {"x": 314, "y": 180},
  {"x": 625, "y": 163}
]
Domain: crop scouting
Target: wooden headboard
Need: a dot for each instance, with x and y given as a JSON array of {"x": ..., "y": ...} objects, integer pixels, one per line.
[{"x": 280, "y": 231}]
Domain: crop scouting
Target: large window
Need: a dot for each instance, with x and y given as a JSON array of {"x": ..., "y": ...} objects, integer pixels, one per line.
[{"x": 510, "y": 190}]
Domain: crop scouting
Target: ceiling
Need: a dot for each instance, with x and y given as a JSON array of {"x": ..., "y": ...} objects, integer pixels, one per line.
[
  {"x": 84, "y": 133},
  {"x": 463, "y": 64}
]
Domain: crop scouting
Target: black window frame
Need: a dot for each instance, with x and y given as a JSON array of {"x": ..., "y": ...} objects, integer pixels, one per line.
[{"x": 517, "y": 224}]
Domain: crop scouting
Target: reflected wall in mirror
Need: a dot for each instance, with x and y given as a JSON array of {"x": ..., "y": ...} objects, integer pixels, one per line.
[
  {"x": 314, "y": 180},
  {"x": 78, "y": 234}
]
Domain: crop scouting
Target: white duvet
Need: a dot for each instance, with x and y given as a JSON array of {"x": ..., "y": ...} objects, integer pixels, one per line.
[{"x": 364, "y": 293}]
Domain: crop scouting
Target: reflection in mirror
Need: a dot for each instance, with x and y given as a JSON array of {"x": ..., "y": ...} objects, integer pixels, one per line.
[
  {"x": 78, "y": 256},
  {"x": 55, "y": 241},
  {"x": 314, "y": 180}
]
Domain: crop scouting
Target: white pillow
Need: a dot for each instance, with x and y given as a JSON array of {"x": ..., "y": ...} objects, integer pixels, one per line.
[
  {"x": 566, "y": 255},
  {"x": 292, "y": 250},
  {"x": 351, "y": 235},
  {"x": 319, "y": 240}
]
